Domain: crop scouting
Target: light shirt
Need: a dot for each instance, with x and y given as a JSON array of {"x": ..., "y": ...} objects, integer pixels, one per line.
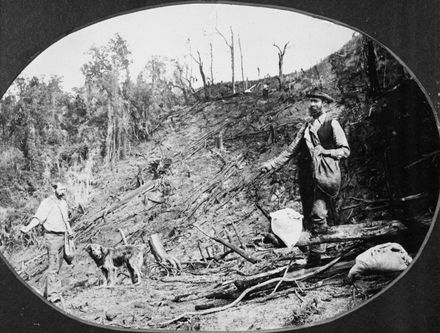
[
  {"x": 52, "y": 214},
  {"x": 316, "y": 123}
]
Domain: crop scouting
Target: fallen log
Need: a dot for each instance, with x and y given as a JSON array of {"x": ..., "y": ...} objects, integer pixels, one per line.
[
  {"x": 296, "y": 271},
  {"x": 235, "y": 249},
  {"x": 229, "y": 245},
  {"x": 290, "y": 276},
  {"x": 350, "y": 232},
  {"x": 132, "y": 194},
  {"x": 303, "y": 277},
  {"x": 224, "y": 291}
]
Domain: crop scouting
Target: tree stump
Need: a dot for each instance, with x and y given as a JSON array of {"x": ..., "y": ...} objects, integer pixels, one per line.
[
  {"x": 159, "y": 253},
  {"x": 219, "y": 141}
]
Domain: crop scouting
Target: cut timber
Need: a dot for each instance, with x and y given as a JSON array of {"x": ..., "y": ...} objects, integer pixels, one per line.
[
  {"x": 132, "y": 194},
  {"x": 351, "y": 232},
  {"x": 261, "y": 286},
  {"x": 219, "y": 141},
  {"x": 160, "y": 254},
  {"x": 229, "y": 245},
  {"x": 298, "y": 274},
  {"x": 124, "y": 239},
  {"x": 235, "y": 249}
]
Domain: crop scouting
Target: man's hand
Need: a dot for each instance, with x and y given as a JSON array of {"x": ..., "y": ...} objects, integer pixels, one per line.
[
  {"x": 34, "y": 222},
  {"x": 24, "y": 229},
  {"x": 70, "y": 233},
  {"x": 319, "y": 150},
  {"x": 264, "y": 167}
]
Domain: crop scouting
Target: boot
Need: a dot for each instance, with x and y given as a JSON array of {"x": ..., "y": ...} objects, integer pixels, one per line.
[
  {"x": 313, "y": 260},
  {"x": 319, "y": 229}
]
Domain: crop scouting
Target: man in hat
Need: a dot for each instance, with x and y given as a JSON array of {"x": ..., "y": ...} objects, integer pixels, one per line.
[
  {"x": 53, "y": 215},
  {"x": 321, "y": 145}
]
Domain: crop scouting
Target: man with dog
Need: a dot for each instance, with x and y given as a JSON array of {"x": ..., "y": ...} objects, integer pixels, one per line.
[
  {"x": 322, "y": 143},
  {"x": 52, "y": 214}
]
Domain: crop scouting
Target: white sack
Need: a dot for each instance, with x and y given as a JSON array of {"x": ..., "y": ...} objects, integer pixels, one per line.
[
  {"x": 388, "y": 257},
  {"x": 287, "y": 225}
]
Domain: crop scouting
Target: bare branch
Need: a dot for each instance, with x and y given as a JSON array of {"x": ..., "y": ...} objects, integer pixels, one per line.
[
  {"x": 279, "y": 50},
  {"x": 247, "y": 291},
  {"x": 231, "y": 47},
  {"x": 212, "y": 60},
  {"x": 224, "y": 38},
  {"x": 280, "y": 63},
  {"x": 285, "y": 47}
]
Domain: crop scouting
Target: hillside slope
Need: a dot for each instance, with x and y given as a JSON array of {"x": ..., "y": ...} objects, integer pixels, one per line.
[{"x": 183, "y": 177}]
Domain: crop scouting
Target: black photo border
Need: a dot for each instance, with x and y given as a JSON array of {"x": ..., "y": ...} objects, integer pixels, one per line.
[{"x": 409, "y": 29}]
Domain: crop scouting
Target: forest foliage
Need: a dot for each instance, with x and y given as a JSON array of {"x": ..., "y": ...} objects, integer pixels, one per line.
[{"x": 50, "y": 134}]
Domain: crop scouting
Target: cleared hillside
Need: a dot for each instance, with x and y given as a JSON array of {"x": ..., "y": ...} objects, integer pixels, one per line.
[{"x": 199, "y": 168}]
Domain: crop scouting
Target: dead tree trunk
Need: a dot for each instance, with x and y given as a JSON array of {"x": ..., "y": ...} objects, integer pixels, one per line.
[
  {"x": 281, "y": 53},
  {"x": 202, "y": 74},
  {"x": 219, "y": 141},
  {"x": 241, "y": 62},
  {"x": 370, "y": 56},
  {"x": 318, "y": 76},
  {"x": 160, "y": 254},
  {"x": 231, "y": 48},
  {"x": 248, "y": 282},
  {"x": 351, "y": 232},
  {"x": 179, "y": 78},
  {"x": 124, "y": 200},
  {"x": 232, "y": 61},
  {"x": 212, "y": 61},
  {"x": 109, "y": 134}
]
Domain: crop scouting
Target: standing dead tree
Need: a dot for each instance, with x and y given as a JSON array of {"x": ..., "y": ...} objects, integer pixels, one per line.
[
  {"x": 371, "y": 68},
  {"x": 241, "y": 62},
  {"x": 230, "y": 44},
  {"x": 281, "y": 53},
  {"x": 182, "y": 81},
  {"x": 318, "y": 75},
  {"x": 212, "y": 62},
  {"x": 202, "y": 74}
]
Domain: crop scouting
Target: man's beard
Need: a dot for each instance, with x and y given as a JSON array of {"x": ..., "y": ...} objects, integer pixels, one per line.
[{"x": 315, "y": 112}]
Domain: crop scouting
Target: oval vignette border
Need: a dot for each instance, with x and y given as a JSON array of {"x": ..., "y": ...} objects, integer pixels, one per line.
[{"x": 410, "y": 303}]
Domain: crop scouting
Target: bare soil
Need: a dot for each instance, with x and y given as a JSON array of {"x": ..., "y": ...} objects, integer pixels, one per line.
[{"x": 150, "y": 304}]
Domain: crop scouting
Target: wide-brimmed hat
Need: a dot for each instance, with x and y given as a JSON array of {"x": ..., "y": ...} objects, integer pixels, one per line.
[{"x": 320, "y": 94}]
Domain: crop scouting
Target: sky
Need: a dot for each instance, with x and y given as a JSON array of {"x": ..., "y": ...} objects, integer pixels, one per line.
[{"x": 165, "y": 32}]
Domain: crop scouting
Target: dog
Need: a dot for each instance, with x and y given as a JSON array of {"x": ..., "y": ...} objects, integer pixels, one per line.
[{"x": 107, "y": 259}]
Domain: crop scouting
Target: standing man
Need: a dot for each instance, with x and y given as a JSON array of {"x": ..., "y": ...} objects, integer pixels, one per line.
[
  {"x": 265, "y": 91},
  {"x": 320, "y": 145},
  {"x": 52, "y": 214}
]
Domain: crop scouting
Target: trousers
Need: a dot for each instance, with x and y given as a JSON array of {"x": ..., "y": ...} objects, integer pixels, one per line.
[
  {"x": 315, "y": 205},
  {"x": 55, "y": 250}
]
